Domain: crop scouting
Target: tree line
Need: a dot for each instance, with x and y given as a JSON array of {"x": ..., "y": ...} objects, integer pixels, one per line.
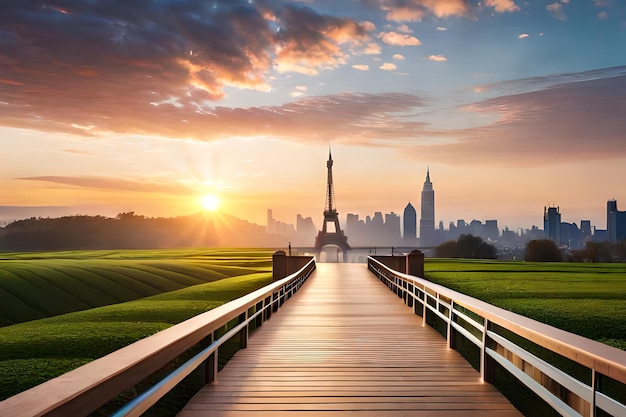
[
  {"x": 545, "y": 250},
  {"x": 130, "y": 231},
  {"x": 537, "y": 250}
]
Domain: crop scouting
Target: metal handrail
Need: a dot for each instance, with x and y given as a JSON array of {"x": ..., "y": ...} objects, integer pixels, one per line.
[
  {"x": 87, "y": 388},
  {"x": 601, "y": 359}
]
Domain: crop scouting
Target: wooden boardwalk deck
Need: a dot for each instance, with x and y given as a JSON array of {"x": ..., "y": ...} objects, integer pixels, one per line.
[{"x": 345, "y": 345}]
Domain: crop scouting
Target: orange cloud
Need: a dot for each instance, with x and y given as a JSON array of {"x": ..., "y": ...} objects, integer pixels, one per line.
[
  {"x": 415, "y": 10},
  {"x": 307, "y": 42},
  {"x": 388, "y": 66},
  {"x": 502, "y": 6},
  {"x": 10, "y": 82},
  {"x": 143, "y": 59},
  {"x": 437, "y": 58},
  {"x": 399, "y": 39},
  {"x": 372, "y": 49}
]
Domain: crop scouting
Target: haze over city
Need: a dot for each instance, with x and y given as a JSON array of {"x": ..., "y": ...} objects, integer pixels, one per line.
[{"x": 109, "y": 107}]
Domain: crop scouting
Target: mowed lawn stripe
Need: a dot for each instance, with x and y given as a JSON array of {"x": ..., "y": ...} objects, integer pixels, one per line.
[
  {"x": 13, "y": 309},
  {"x": 58, "y": 344},
  {"x": 65, "y": 301},
  {"x": 586, "y": 299},
  {"x": 39, "y": 285}
]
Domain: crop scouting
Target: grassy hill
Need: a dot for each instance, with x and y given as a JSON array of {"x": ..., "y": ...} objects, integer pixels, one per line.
[
  {"x": 40, "y": 285},
  {"x": 35, "y": 351},
  {"x": 586, "y": 299}
]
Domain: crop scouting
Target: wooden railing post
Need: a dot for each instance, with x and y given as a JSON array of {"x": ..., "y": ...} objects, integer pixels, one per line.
[
  {"x": 596, "y": 382},
  {"x": 487, "y": 364},
  {"x": 451, "y": 331},
  {"x": 212, "y": 363},
  {"x": 258, "y": 308},
  {"x": 243, "y": 333}
]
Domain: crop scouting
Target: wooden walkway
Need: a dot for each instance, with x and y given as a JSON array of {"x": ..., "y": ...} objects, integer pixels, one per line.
[{"x": 345, "y": 345}]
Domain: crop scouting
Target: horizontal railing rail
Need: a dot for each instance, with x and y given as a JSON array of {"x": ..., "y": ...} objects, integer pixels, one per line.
[
  {"x": 86, "y": 389},
  {"x": 478, "y": 322}
]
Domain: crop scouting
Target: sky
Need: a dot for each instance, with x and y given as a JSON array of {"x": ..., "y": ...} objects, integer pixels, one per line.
[{"x": 110, "y": 106}]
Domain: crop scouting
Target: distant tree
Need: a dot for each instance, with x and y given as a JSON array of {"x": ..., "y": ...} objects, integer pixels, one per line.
[
  {"x": 542, "y": 250},
  {"x": 620, "y": 251},
  {"x": 467, "y": 246},
  {"x": 597, "y": 252},
  {"x": 446, "y": 249}
]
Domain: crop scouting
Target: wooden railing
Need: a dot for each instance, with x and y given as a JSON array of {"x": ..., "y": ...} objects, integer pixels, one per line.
[
  {"x": 86, "y": 389},
  {"x": 506, "y": 338}
]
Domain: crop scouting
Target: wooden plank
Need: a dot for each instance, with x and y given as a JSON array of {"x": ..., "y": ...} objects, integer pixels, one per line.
[{"x": 345, "y": 345}]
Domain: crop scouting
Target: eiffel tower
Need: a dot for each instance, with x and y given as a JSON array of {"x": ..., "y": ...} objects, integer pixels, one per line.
[{"x": 333, "y": 235}]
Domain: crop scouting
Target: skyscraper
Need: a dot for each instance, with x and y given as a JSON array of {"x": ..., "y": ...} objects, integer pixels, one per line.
[
  {"x": 615, "y": 222},
  {"x": 552, "y": 224},
  {"x": 409, "y": 220},
  {"x": 427, "y": 219}
]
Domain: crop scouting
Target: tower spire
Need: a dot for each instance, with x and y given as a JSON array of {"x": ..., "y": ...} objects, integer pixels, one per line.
[
  {"x": 331, "y": 233},
  {"x": 329, "y": 207}
]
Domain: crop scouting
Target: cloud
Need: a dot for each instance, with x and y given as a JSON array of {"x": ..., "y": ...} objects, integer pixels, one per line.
[
  {"x": 557, "y": 10},
  {"x": 399, "y": 39},
  {"x": 308, "y": 41},
  {"x": 398, "y": 57},
  {"x": 415, "y": 10},
  {"x": 441, "y": 29},
  {"x": 565, "y": 122},
  {"x": 111, "y": 183},
  {"x": 523, "y": 36},
  {"x": 78, "y": 152},
  {"x": 388, "y": 66},
  {"x": 502, "y": 6},
  {"x": 603, "y": 15},
  {"x": 372, "y": 49},
  {"x": 361, "y": 67},
  {"x": 103, "y": 63},
  {"x": 404, "y": 29},
  {"x": 437, "y": 58}
]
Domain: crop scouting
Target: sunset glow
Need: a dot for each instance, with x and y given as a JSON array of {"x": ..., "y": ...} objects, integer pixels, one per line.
[
  {"x": 210, "y": 202},
  {"x": 514, "y": 106}
]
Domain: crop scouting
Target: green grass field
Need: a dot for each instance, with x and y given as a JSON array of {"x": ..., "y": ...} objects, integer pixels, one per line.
[
  {"x": 586, "y": 299},
  {"x": 169, "y": 286},
  {"x": 32, "y": 352},
  {"x": 40, "y": 285}
]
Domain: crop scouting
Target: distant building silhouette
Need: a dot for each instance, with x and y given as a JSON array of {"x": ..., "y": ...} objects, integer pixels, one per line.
[
  {"x": 585, "y": 230},
  {"x": 392, "y": 228},
  {"x": 275, "y": 227},
  {"x": 552, "y": 224},
  {"x": 615, "y": 222},
  {"x": 305, "y": 230},
  {"x": 409, "y": 220},
  {"x": 427, "y": 219}
]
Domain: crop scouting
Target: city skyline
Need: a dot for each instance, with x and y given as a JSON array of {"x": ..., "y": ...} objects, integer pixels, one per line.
[{"x": 108, "y": 108}]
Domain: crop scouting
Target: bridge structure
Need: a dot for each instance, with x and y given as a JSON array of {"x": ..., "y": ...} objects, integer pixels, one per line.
[{"x": 343, "y": 340}]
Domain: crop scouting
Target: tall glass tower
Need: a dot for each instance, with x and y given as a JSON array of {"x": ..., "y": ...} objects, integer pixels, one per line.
[
  {"x": 427, "y": 219},
  {"x": 410, "y": 224}
]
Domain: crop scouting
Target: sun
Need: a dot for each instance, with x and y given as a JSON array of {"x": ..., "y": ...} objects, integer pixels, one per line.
[{"x": 210, "y": 202}]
